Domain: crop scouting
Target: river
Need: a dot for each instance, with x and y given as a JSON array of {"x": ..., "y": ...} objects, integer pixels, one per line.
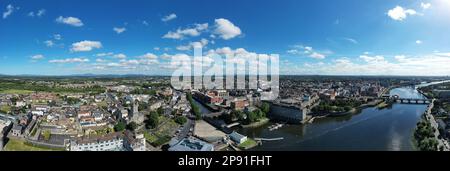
[{"x": 389, "y": 129}]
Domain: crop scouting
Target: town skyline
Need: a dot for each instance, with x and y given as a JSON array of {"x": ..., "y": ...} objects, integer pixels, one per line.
[{"x": 50, "y": 38}]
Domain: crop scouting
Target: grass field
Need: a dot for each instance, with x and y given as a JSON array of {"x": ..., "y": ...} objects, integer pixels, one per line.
[
  {"x": 15, "y": 91},
  {"x": 250, "y": 143},
  {"x": 5, "y": 109},
  {"x": 19, "y": 145}
]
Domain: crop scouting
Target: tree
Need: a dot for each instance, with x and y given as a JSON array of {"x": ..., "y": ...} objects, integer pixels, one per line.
[
  {"x": 251, "y": 117},
  {"x": 152, "y": 121},
  {"x": 132, "y": 126},
  {"x": 160, "y": 111},
  {"x": 119, "y": 126},
  {"x": 265, "y": 107},
  {"x": 181, "y": 120}
]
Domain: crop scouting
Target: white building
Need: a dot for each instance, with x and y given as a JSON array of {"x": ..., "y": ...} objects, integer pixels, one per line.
[
  {"x": 237, "y": 138},
  {"x": 117, "y": 141}
]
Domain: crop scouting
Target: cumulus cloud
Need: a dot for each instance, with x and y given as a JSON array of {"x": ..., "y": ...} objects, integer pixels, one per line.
[
  {"x": 425, "y": 65},
  {"x": 226, "y": 29},
  {"x": 99, "y": 60},
  {"x": 169, "y": 17},
  {"x": 372, "y": 59},
  {"x": 85, "y": 46},
  {"x": 120, "y": 56},
  {"x": 104, "y": 54},
  {"x": 49, "y": 43},
  {"x": 73, "y": 21},
  {"x": 182, "y": 33},
  {"x": 57, "y": 36},
  {"x": 69, "y": 60},
  {"x": 119, "y": 30},
  {"x": 418, "y": 42},
  {"x": 425, "y": 5},
  {"x": 399, "y": 13},
  {"x": 200, "y": 44},
  {"x": 9, "y": 10},
  {"x": 37, "y": 57},
  {"x": 306, "y": 50},
  {"x": 148, "y": 56}
]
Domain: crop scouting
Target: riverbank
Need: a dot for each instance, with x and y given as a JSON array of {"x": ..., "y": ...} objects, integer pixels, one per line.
[{"x": 259, "y": 123}]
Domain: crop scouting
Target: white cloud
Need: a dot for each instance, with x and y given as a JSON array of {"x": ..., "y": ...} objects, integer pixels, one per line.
[
  {"x": 73, "y": 21},
  {"x": 156, "y": 48},
  {"x": 49, "y": 43},
  {"x": 85, "y": 46},
  {"x": 351, "y": 40},
  {"x": 165, "y": 56},
  {"x": 442, "y": 54},
  {"x": 425, "y": 5},
  {"x": 169, "y": 17},
  {"x": 200, "y": 44},
  {"x": 399, "y": 13},
  {"x": 41, "y": 12},
  {"x": 308, "y": 51},
  {"x": 99, "y": 60},
  {"x": 145, "y": 23},
  {"x": 57, "y": 36},
  {"x": 9, "y": 10},
  {"x": 120, "y": 56},
  {"x": 37, "y": 57},
  {"x": 38, "y": 13},
  {"x": 226, "y": 29},
  {"x": 69, "y": 60},
  {"x": 418, "y": 42},
  {"x": 148, "y": 56},
  {"x": 372, "y": 59},
  {"x": 400, "y": 58},
  {"x": 316, "y": 55},
  {"x": 119, "y": 30},
  {"x": 104, "y": 54},
  {"x": 425, "y": 65},
  {"x": 182, "y": 33}
]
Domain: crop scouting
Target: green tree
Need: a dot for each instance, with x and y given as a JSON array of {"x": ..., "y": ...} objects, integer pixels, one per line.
[
  {"x": 265, "y": 107},
  {"x": 153, "y": 120},
  {"x": 132, "y": 126},
  {"x": 120, "y": 126},
  {"x": 181, "y": 120}
]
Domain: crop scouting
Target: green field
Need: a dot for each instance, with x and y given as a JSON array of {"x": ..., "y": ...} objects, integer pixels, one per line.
[
  {"x": 19, "y": 145},
  {"x": 5, "y": 109},
  {"x": 250, "y": 143},
  {"x": 15, "y": 91}
]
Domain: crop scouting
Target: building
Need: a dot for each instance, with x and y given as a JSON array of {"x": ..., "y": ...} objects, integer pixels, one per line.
[
  {"x": 5, "y": 126},
  {"x": 16, "y": 131},
  {"x": 118, "y": 141},
  {"x": 237, "y": 138},
  {"x": 239, "y": 104},
  {"x": 290, "y": 114},
  {"x": 191, "y": 144}
]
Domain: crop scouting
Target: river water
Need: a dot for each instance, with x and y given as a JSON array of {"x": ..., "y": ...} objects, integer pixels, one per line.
[{"x": 389, "y": 129}]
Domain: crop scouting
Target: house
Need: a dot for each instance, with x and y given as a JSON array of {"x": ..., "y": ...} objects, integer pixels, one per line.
[{"x": 237, "y": 138}]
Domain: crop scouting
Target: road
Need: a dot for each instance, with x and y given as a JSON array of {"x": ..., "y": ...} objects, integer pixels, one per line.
[{"x": 184, "y": 132}]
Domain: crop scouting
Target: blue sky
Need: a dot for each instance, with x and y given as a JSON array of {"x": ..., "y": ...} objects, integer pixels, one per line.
[{"x": 342, "y": 37}]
